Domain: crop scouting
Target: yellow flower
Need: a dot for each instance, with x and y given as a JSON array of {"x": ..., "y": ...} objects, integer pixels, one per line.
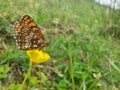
[
  {"x": 96, "y": 21},
  {"x": 37, "y": 56}
]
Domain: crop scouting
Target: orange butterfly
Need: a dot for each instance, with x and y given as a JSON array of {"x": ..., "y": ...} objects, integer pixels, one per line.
[{"x": 28, "y": 35}]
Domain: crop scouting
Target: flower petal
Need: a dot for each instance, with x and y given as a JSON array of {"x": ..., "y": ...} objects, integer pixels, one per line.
[{"x": 37, "y": 56}]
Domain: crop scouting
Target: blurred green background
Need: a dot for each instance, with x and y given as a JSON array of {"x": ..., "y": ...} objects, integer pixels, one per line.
[{"x": 83, "y": 41}]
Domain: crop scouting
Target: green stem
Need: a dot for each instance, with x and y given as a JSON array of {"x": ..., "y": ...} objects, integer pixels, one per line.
[
  {"x": 26, "y": 76},
  {"x": 71, "y": 70}
]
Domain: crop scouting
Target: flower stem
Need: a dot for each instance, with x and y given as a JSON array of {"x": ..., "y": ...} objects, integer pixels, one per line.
[{"x": 26, "y": 76}]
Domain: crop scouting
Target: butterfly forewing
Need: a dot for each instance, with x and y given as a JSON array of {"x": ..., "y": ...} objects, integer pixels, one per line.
[{"x": 28, "y": 35}]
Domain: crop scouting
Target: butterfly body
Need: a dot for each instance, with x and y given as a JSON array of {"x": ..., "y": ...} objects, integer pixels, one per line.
[{"x": 28, "y": 35}]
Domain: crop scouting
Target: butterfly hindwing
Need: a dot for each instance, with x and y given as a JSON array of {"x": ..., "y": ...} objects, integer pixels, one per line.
[{"x": 28, "y": 35}]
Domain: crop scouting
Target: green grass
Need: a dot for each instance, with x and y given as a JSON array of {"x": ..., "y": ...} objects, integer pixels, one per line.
[{"x": 82, "y": 57}]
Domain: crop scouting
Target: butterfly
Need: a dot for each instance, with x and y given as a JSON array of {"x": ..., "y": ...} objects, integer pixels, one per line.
[{"x": 28, "y": 35}]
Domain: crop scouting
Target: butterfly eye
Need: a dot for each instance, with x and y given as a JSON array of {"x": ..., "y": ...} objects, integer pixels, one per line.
[{"x": 28, "y": 35}]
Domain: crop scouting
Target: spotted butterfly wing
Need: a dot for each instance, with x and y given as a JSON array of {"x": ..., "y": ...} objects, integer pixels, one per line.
[{"x": 28, "y": 35}]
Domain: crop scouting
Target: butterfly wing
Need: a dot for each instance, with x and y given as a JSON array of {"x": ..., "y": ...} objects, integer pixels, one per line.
[{"x": 28, "y": 35}]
